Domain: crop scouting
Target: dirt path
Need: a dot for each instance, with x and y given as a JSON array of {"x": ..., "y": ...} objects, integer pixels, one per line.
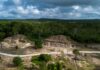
[{"x": 51, "y": 53}]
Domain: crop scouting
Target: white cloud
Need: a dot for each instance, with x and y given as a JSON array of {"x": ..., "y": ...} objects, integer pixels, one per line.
[
  {"x": 93, "y": 10},
  {"x": 89, "y": 9},
  {"x": 74, "y": 14},
  {"x": 21, "y": 10},
  {"x": 17, "y": 2},
  {"x": 50, "y": 12},
  {"x": 76, "y": 7},
  {"x": 33, "y": 9},
  {"x": 84, "y": 12},
  {"x": 28, "y": 10}
]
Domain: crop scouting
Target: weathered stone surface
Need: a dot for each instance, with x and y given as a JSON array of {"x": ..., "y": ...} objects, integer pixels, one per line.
[
  {"x": 17, "y": 41},
  {"x": 57, "y": 41},
  {"x": 21, "y": 42}
]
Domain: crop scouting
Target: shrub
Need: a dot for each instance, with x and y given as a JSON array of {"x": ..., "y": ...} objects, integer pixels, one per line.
[
  {"x": 38, "y": 43},
  {"x": 17, "y": 61},
  {"x": 44, "y": 57}
]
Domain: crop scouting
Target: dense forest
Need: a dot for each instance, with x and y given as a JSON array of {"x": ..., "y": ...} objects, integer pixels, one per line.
[{"x": 85, "y": 31}]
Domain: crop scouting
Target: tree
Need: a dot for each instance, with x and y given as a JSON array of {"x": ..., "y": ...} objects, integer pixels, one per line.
[
  {"x": 44, "y": 57},
  {"x": 2, "y": 35},
  {"x": 40, "y": 62},
  {"x": 17, "y": 61},
  {"x": 38, "y": 43}
]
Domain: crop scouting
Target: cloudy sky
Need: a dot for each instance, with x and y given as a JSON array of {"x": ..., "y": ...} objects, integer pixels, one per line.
[{"x": 59, "y": 9}]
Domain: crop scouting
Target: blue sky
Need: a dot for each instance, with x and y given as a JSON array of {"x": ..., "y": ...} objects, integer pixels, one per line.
[{"x": 59, "y": 9}]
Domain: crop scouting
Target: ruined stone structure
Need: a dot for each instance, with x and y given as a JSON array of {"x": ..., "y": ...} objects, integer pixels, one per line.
[
  {"x": 57, "y": 41},
  {"x": 17, "y": 41},
  {"x": 21, "y": 42}
]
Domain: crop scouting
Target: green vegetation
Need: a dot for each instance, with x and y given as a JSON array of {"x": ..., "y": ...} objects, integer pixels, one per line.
[
  {"x": 42, "y": 58},
  {"x": 17, "y": 61},
  {"x": 44, "y": 61},
  {"x": 55, "y": 66},
  {"x": 59, "y": 63},
  {"x": 85, "y": 31},
  {"x": 40, "y": 61},
  {"x": 38, "y": 43}
]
